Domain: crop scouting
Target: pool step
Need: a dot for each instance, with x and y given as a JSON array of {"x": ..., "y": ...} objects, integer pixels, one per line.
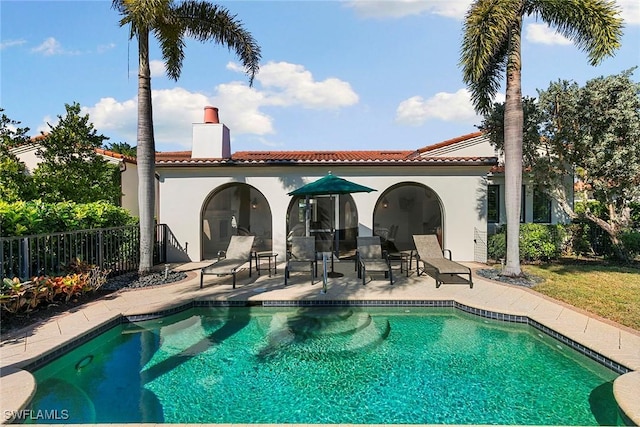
[{"x": 313, "y": 337}]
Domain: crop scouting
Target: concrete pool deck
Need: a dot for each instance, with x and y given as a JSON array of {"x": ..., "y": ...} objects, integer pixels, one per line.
[{"x": 617, "y": 343}]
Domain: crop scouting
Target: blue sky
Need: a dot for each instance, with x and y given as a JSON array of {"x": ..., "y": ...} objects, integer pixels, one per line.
[{"x": 335, "y": 75}]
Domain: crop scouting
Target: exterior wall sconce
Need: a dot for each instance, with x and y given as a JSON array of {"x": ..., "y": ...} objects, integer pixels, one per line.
[
  {"x": 385, "y": 202},
  {"x": 254, "y": 203}
]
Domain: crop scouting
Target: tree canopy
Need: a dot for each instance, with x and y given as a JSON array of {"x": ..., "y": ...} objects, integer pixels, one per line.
[
  {"x": 15, "y": 182},
  {"x": 491, "y": 51},
  {"x": 592, "y": 131}
]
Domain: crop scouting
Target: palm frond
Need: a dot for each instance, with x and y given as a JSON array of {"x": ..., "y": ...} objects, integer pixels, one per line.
[
  {"x": 205, "y": 21},
  {"x": 594, "y": 26},
  {"x": 484, "y": 48},
  {"x": 171, "y": 39}
]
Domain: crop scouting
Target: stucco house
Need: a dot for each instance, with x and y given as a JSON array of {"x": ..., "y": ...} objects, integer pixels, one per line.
[{"x": 453, "y": 189}]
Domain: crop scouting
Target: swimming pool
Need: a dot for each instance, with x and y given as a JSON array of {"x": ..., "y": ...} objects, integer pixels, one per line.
[{"x": 327, "y": 365}]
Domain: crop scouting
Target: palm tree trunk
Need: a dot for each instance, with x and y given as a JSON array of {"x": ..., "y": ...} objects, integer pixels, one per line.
[
  {"x": 146, "y": 157},
  {"x": 513, "y": 123}
]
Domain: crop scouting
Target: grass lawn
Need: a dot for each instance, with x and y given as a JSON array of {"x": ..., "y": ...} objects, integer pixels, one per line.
[{"x": 612, "y": 292}]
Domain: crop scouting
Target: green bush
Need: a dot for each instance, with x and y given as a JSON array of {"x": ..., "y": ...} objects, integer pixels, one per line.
[
  {"x": 497, "y": 246},
  {"x": 37, "y": 217},
  {"x": 578, "y": 241},
  {"x": 631, "y": 242},
  {"x": 540, "y": 242},
  {"x": 537, "y": 242}
]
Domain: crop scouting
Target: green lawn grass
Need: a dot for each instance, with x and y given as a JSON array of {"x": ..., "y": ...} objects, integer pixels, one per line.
[{"x": 612, "y": 292}]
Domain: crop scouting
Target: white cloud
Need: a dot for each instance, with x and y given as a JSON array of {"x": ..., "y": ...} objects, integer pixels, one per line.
[
  {"x": 240, "y": 109},
  {"x": 630, "y": 11},
  {"x": 11, "y": 43},
  {"x": 448, "y": 107},
  {"x": 401, "y": 8},
  {"x": 49, "y": 47},
  {"x": 175, "y": 110},
  {"x": 543, "y": 34},
  {"x": 285, "y": 84},
  {"x": 157, "y": 68},
  {"x": 105, "y": 47}
]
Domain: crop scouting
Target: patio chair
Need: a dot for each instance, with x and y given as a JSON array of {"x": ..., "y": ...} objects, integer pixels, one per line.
[
  {"x": 370, "y": 258},
  {"x": 237, "y": 254},
  {"x": 302, "y": 253},
  {"x": 430, "y": 258}
]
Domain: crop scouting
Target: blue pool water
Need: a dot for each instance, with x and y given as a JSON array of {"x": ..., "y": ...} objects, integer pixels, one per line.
[{"x": 327, "y": 365}]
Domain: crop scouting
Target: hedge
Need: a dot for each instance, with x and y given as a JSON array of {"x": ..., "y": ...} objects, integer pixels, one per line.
[{"x": 37, "y": 217}]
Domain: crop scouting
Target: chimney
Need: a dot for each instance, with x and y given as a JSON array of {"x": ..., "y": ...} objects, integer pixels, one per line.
[
  {"x": 210, "y": 139},
  {"x": 211, "y": 114}
]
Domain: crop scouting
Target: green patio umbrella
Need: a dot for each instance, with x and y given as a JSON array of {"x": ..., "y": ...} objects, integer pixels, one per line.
[
  {"x": 330, "y": 184},
  {"x": 327, "y": 186}
]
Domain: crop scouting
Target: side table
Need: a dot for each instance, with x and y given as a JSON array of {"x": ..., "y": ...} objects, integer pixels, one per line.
[
  {"x": 271, "y": 258},
  {"x": 405, "y": 258}
]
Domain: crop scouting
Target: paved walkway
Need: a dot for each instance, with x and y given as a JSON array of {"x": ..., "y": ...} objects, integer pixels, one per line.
[{"x": 617, "y": 343}]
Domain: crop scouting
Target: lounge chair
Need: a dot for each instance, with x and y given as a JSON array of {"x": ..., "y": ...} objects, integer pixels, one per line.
[
  {"x": 371, "y": 258},
  {"x": 430, "y": 258},
  {"x": 237, "y": 254},
  {"x": 302, "y": 253}
]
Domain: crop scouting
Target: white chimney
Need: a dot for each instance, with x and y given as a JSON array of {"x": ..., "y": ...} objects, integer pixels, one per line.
[{"x": 210, "y": 139}]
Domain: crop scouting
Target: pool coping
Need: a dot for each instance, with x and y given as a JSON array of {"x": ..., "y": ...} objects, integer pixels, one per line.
[{"x": 17, "y": 377}]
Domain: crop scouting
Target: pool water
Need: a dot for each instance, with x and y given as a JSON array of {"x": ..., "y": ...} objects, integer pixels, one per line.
[{"x": 330, "y": 366}]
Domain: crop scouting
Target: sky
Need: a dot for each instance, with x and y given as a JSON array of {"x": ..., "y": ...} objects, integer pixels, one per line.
[{"x": 334, "y": 75}]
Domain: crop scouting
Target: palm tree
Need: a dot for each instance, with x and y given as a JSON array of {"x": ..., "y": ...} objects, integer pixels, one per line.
[
  {"x": 170, "y": 23},
  {"x": 491, "y": 44}
]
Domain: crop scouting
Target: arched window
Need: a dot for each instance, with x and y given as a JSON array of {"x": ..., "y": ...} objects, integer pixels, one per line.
[{"x": 235, "y": 209}]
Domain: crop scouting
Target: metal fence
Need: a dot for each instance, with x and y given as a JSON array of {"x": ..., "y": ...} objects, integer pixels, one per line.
[
  {"x": 115, "y": 249},
  {"x": 479, "y": 246}
]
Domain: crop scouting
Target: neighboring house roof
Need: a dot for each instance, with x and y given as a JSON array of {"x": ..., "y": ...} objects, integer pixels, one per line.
[
  {"x": 34, "y": 144},
  {"x": 454, "y": 144},
  {"x": 113, "y": 154}
]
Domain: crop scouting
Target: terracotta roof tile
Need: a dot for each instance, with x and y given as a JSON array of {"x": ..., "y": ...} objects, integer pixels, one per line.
[
  {"x": 115, "y": 155},
  {"x": 450, "y": 142},
  {"x": 321, "y": 155},
  {"x": 177, "y": 158}
]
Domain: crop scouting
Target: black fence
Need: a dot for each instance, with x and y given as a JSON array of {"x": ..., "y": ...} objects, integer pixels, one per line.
[{"x": 115, "y": 249}]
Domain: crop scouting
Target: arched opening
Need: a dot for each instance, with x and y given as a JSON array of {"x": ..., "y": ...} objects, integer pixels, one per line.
[
  {"x": 328, "y": 214},
  {"x": 235, "y": 209},
  {"x": 404, "y": 210}
]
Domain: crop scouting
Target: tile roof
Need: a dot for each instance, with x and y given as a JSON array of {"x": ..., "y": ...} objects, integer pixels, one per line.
[
  {"x": 183, "y": 158},
  {"x": 449, "y": 142},
  {"x": 321, "y": 155},
  {"x": 115, "y": 155}
]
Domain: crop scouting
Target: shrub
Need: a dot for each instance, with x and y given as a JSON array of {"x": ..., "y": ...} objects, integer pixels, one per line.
[
  {"x": 17, "y": 297},
  {"x": 37, "y": 217},
  {"x": 538, "y": 242},
  {"x": 631, "y": 242},
  {"x": 497, "y": 246}
]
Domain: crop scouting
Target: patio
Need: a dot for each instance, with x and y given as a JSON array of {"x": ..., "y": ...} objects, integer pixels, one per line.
[{"x": 618, "y": 344}]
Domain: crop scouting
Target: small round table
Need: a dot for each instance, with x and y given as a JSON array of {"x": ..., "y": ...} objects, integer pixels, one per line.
[{"x": 269, "y": 256}]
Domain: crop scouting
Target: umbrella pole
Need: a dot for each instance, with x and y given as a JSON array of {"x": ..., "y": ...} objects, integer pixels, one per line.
[{"x": 334, "y": 236}]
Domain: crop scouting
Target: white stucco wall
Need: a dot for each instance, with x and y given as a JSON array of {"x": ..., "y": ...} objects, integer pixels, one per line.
[{"x": 461, "y": 190}]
